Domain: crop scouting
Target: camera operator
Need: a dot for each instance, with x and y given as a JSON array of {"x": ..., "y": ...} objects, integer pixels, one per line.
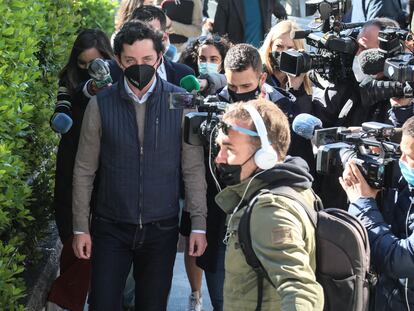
[
  {"x": 341, "y": 104},
  {"x": 282, "y": 238},
  {"x": 390, "y": 227}
]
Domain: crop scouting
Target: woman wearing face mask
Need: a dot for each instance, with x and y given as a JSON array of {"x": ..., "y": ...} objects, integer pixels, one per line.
[
  {"x": 209, "y": 53},
  {"x": 207, "y": 56},
  {"x": 70, "y": 289},
  {"x": 277, "y": 41}
]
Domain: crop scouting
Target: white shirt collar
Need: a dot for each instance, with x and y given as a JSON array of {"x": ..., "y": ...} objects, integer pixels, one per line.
[
  {"x": 134, "y": 97},
  {"x": 161, "y": 71}
]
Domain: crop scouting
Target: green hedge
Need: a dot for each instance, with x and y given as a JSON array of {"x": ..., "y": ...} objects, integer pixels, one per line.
[{"x": 35, "y": 39}]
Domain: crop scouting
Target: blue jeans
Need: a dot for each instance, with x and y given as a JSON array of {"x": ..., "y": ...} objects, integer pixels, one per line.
[
  {"x": 150, "y": 249},
  {"x": 215, "y": 280}
]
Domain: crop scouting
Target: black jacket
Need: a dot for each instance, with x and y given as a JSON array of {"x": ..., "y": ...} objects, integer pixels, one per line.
[{"x": 230, "y": 20}]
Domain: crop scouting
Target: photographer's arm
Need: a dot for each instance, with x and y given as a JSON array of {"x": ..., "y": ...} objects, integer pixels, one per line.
[
  {"x": 193, "y": 171},
  {"x": 390, "y": 254}
]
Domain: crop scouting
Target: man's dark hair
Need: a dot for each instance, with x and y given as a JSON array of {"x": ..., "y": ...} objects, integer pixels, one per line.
[
  {"x": 242, "y": 56},
  {"x": 382, "y": 23},
  {"x": 408, "y": 127},
  {"x": 148, "y": 13},
  {"x": 137, "y": 31}
]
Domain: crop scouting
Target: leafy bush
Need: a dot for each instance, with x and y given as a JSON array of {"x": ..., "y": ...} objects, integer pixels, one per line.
[{"x": 35, "y": 39}]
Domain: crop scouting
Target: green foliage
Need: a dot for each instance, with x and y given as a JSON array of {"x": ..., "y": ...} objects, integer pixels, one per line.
[
  {"x": 35, "y": 39},
  {"x": 98, "y": 14}
]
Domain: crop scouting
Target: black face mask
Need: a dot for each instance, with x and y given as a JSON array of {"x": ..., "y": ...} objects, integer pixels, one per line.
[
  {"x": 83, "y": 75},
  {"x": 244, "y": 97},
  {"x": 139, "y": 75},
  {"x": 274, "y": 58},
  {"x": 229, "y": 174}
]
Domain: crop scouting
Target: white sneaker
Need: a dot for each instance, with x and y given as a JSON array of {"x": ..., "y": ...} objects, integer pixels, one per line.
[{"x": 195, "y": 302}]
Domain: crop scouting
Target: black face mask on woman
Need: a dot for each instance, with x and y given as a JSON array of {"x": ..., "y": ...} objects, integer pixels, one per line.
[
  {"x": 139, "y": 75},
  {"x": 244, "y": 97}
]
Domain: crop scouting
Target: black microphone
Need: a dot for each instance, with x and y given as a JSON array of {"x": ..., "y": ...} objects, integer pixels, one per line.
[
  {"x": 372, "y": 61},
  {"x": 305, "y": 125}
]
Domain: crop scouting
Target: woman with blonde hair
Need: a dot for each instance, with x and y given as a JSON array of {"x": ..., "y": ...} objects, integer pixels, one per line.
[{"x": 278, "y": 40}]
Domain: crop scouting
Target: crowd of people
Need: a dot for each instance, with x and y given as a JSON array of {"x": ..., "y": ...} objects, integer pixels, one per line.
[{"x": 128, "y": 182}]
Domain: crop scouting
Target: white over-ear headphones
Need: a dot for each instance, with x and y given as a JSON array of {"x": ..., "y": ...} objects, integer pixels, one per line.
[{"x": 266, "y": 157}]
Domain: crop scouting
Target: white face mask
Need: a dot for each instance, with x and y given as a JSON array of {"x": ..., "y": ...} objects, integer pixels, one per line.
[{"x": 205, "y": 68}]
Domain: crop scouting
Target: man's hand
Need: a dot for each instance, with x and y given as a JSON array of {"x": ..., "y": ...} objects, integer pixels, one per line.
[
  {"x": 208, "y": 25},
  {"x": 296, "y": 82},
  {"x": 355, "y": 184},
  {"x": 197, "y": 244},
  {"x": 203, "y": 84},
  {"x": 400, "y": 102},
  {"x": 82, "y": 245}
]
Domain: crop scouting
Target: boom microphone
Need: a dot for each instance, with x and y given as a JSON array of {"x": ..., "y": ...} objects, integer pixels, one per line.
[
  {"x": 305, "y": 125},
  {"x": 371, "y": 61},
  {"x": 190, "y": 83}
]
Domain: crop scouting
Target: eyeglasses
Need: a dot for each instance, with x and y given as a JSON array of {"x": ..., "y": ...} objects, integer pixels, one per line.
[
  {"x": 203, "y": 39},
  {"x": 225, "y": 127}
]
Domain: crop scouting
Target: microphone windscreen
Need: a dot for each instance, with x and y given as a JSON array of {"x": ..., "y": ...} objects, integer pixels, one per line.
[
  {"x": 61, "y": 123},
  {"x": 190, "y": 83},
  {"x": 305, "y": 124},
  {"x": 371, "y": 61}
]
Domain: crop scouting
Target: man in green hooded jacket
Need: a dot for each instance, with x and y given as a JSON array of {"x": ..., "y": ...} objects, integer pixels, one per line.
[{"x": 282, "y": 235}]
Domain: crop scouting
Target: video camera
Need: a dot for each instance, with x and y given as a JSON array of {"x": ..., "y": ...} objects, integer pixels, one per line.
[
  {"x": 371, "y": 148},
  {"x": 335, "y": 49},
  {"x": 199, "y": 126}
]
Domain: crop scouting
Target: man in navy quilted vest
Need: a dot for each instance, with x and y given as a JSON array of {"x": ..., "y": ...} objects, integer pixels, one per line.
[{"x": 132, "y": 141}]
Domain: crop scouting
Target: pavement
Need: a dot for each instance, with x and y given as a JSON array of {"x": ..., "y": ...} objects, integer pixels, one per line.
[{"x": 181, "y": 288}]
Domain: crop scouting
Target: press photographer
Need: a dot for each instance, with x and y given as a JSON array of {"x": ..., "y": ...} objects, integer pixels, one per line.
[{"x": 389, "y": 225}]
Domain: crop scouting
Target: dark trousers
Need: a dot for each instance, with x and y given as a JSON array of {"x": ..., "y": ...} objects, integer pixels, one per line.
[
  {"x": 151, "y": 249},
  {"x": 215, "y": 280}
]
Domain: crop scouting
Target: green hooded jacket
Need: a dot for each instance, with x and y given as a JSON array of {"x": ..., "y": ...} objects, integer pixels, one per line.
[{"x": 283, "y": 239}]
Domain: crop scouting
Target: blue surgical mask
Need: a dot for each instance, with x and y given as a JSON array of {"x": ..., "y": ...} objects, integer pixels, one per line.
[
  {"x": 205, "y": 68},
  {"x": 407, "y": 172}
]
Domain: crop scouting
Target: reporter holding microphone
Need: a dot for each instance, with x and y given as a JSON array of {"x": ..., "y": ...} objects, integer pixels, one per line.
[{"x": 71, "y": 288}]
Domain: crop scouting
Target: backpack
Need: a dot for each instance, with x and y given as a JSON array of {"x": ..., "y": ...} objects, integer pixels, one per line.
[{"x": 342, "y": 253}]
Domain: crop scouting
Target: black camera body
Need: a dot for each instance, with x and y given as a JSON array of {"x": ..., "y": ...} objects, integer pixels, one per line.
[
  {"x": 335, "y": 49},
  {"x": 400, "y": 70},
  {"x": 200, "y": 125},
  {"x": 371, "y": 149}
]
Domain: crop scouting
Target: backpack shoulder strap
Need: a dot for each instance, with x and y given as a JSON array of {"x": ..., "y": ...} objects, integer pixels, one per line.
[{"x": 292, "y": 194}]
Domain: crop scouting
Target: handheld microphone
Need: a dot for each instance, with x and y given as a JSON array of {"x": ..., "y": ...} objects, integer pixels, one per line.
[
  {"x": 305, "y": 125},
  {"x": 61, "y": 122},
  {"x": 99, "y": 71},
  {"x": 190, "y": 84},
  {"x": 371, "y": 61}
]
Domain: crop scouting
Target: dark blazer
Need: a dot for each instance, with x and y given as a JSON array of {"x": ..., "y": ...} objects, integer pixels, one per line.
[
  {"x": 230, "y": 19},
  {"x": 175, "y": 71}
]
